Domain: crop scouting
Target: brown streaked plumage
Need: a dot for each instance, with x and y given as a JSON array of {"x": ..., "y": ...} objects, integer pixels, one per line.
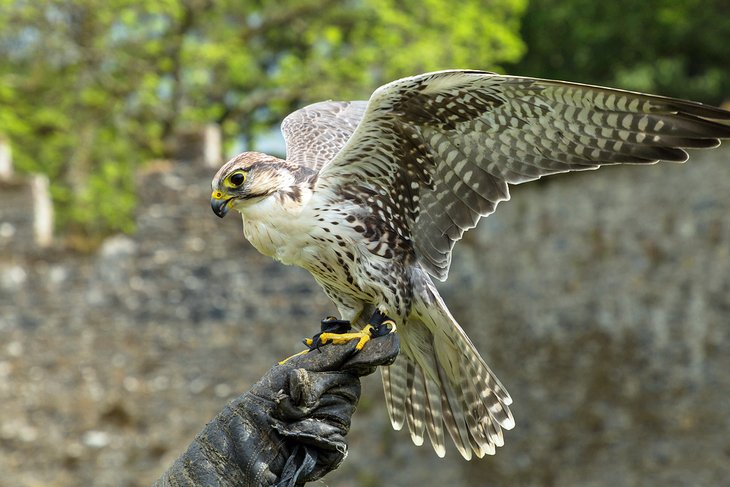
[{"x": 373, "y": 196}]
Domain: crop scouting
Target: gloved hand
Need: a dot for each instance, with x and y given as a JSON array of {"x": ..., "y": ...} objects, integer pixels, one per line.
[{"x": 290, "y": 427}]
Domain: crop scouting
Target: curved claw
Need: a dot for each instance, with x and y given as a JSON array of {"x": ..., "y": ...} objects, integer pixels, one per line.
[{"x": 387, "y": 326}]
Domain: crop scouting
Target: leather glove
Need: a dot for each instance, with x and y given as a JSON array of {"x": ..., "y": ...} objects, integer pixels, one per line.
[{"x": 290, "y": 427}]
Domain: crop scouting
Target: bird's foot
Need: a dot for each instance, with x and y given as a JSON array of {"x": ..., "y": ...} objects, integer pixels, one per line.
[
  {"x": 363, "y": 336},
  {"x": 338, "y": 332},
  {"x": 378, "y": 325},
  {"x": 328, "y": 325}
]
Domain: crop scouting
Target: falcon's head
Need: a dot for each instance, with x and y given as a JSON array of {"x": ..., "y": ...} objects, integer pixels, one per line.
[{"x": 245, "y": 179}]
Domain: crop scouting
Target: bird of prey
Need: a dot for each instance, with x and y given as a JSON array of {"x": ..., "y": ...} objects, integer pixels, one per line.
[{"x": 374, "y": 194}]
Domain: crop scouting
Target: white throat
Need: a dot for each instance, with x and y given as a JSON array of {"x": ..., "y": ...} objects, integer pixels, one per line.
[{"x": 276, "y": 227}]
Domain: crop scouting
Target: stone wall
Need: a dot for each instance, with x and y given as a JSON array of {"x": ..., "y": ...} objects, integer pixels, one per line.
[
  {"x": 26, "y": 211},
  {"x": 600, "y": 299}
]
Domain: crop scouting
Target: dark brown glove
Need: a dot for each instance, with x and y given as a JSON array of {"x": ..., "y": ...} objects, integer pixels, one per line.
[{"x": 290, "y": 427}]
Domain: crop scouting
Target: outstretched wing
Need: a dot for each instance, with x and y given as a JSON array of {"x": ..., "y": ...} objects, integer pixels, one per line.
[
  {"x": 439, "y": 149},
  {"x": 316, "y": 133}
]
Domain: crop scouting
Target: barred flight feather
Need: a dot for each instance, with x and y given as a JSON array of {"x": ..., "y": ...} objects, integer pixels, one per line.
[
  {"x": 415, "y": 403},
  {"x": 434, "y": 414},
  {"x": 395, "y": 378},
  {"x": 454, "y": 415}
]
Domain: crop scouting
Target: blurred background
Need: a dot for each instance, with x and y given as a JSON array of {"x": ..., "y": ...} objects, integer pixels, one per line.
[{"x": 130, "y": 314}]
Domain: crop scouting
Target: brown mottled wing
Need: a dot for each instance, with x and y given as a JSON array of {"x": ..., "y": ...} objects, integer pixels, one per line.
[
  {"x": 442, "y": 147},
  {"x": 316, "y": 133}
]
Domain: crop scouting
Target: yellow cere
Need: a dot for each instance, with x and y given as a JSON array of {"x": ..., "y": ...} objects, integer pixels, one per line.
[{"x": 217, "y": 195}]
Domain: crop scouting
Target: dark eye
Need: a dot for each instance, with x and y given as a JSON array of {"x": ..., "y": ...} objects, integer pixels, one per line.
[{"x": 237, "y": 179}]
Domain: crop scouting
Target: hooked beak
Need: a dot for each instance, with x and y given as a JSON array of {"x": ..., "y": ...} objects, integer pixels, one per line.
[{"x": 219, "y": 203}]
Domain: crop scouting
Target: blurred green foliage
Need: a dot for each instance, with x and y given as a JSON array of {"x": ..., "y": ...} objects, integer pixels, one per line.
[
  {"x": 670, "y": 47},
  {"x": 91, "y": 89}
]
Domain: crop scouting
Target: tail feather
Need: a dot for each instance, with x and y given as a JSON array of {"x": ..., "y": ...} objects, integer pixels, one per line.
[
  {"x": 454, "y": 416},
  {"x": 432, "y": 405},
  {"x": 475, "y": 411},
  {"x": 440, "y": 382},
  {"x": 415, "y": 403},
  {"x": 489, "y": 421},
  {"x": 434, "y": 417},
  {"x": 394, "y": 386}
]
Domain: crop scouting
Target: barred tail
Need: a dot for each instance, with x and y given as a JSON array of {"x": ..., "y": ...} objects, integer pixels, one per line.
[{"x": 440, "y": 381}]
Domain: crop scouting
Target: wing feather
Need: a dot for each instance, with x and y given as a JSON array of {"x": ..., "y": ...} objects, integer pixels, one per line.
[
  {"x": 444, "y": 146},
  {"x": 316, "y": 133}
]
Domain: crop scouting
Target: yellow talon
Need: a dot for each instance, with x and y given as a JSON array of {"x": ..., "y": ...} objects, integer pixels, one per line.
[{"x": 363, "y": 336}]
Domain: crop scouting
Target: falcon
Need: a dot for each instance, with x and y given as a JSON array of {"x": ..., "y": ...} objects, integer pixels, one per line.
[{"x": 374, "y": 194}]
